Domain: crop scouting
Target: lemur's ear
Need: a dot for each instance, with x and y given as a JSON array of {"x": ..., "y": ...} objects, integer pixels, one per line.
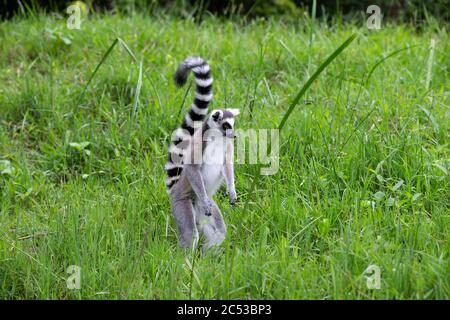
[
  {"x": 217, "y": 115},
  {"x": 234, "y": 112}
]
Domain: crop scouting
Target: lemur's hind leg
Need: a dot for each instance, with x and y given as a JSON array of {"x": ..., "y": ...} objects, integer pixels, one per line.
[
  {"x": 212, "y": 227},
  {"x": 184, "y": 214}
]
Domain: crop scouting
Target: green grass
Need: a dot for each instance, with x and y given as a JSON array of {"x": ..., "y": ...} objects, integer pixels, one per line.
[{"x": 363, "y": 173}]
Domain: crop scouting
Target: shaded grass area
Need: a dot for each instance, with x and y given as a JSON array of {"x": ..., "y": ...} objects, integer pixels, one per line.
[{"x": 363, "y": 173}]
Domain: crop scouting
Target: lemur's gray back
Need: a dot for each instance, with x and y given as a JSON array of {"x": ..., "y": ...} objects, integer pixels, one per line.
[{"x": 198, "y": 111}]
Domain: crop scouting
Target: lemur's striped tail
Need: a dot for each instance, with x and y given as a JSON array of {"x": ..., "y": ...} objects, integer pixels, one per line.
[{"x": 198, "y": 111}]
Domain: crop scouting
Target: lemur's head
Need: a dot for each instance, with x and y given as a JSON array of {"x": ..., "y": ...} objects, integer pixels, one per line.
[{"x": 223, "y": 120}]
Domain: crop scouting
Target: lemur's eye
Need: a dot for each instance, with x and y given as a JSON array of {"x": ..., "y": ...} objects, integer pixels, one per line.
[
  {"x": 216, "y": 116},
  {"x": 226, "y": 126}
]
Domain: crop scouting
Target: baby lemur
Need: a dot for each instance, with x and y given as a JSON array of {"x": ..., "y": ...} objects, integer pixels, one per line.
[{"x": 200, "y": 158}]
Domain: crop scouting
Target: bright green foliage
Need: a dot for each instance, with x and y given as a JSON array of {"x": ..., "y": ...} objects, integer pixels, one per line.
[{"x": 363, "y": 173}]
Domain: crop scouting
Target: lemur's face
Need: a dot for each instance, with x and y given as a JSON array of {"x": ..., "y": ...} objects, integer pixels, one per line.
[{"x": 223, "y": 120}]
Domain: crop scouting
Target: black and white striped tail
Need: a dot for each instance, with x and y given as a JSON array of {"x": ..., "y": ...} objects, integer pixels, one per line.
[{"x": 198, "y": 112}]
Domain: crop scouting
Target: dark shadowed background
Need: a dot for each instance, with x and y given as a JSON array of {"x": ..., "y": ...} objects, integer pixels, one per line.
[{"x": 413, "y": 11}]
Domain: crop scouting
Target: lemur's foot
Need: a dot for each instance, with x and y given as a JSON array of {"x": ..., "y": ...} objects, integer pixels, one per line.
[{"x": 233, "y": 198}]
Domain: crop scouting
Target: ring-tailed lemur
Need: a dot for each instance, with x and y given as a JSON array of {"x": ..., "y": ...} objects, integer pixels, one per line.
[{"x": 200, "y": 158}]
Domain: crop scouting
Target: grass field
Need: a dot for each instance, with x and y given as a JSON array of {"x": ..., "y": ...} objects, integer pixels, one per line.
[{"x": 363, "y": 176}]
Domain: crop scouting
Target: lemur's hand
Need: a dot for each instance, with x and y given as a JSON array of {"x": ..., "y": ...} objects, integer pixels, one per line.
[
  {"x": 233, "y": 197},
  {"x": 207, "y": 206}
]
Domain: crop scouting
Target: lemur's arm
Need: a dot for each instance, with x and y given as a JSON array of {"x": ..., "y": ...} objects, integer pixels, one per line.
[
  {"x": 228, "y": 172},
  {"x": 193, "y": 174}
]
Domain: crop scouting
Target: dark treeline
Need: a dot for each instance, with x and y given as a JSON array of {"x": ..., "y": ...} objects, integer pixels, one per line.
[{"x": 401, "y": 10}]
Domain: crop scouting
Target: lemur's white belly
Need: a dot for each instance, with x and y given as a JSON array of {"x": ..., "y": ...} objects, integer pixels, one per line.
[{"x": 213, "y": 160}]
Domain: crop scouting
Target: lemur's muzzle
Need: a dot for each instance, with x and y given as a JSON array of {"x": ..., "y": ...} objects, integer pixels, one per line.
[{"x": 229, "y": 133}]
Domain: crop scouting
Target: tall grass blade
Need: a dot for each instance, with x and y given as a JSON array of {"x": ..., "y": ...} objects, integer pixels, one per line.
[
  {"x": 107, "y": 53},
  {"x": 184, "y": 99},
  {"x": 136, "y": 99},
  {"x": 138, "y": 89},
  {"x": 133, "y": 56},
  {"x": 313, "y": 77},
  {"x": 364, "y": 82},
  {"x": 393, "y": 53},
  {"x": 430, "y": 64},
  {"x": 127, "y": 49},
  {"x": 312, "y": 22}
]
